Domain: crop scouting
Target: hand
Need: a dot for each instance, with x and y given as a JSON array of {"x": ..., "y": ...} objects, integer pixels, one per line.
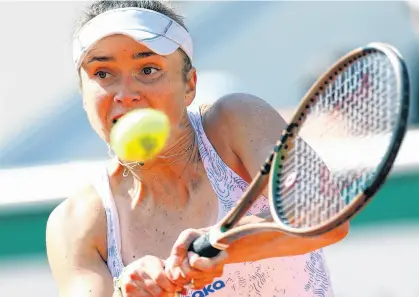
[
  {"x": 146, "y": 277},
  {"x": 187, "y": 269}
]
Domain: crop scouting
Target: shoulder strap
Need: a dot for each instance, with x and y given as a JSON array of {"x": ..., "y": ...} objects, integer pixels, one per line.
[{"x": 104, "y": 191}]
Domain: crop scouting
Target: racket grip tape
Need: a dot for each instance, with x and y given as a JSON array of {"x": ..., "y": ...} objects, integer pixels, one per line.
[{"x": 202, "y": 246}]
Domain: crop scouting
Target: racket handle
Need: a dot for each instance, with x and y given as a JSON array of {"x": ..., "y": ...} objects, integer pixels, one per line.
[{"x": 202, "y": 246}]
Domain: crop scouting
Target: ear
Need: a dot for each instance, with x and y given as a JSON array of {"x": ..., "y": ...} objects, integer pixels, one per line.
[{"x": 190, "y": 86}]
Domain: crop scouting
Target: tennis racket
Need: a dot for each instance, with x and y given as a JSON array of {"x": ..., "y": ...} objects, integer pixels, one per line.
[{"x": 362, "y": 99}]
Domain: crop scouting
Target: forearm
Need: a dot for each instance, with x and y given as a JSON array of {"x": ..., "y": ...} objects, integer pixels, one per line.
[{"x": 277, "y": 244}]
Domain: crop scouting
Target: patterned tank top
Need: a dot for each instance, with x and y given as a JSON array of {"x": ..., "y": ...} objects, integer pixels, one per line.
[{"x": 296, "y": 276}]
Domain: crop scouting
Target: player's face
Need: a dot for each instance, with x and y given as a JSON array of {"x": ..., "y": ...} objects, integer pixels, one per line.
[{"x": 120, "y": 74}]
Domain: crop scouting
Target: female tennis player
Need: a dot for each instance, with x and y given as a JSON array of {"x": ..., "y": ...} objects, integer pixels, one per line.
[{"x": 138, "y": 54}]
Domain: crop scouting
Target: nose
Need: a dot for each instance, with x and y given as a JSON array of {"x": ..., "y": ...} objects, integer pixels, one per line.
[
  {"x": 126, "y": 96},
  {"x": 126, "y": 100}
]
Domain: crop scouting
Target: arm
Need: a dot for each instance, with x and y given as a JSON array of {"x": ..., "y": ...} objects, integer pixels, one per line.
[{"x": 73, "y": 231}]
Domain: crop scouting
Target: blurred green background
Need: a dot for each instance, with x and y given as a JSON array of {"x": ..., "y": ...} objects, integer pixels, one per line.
[{"x": 271, "y": 49}]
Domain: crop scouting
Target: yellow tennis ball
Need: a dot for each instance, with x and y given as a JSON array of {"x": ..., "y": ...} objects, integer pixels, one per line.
[{"x": 140, "y": 135}]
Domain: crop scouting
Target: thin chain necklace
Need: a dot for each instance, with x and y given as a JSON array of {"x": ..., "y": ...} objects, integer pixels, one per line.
[{"x": 140, "y": 165}]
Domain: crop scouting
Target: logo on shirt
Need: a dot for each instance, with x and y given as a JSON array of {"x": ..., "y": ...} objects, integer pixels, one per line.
[{"x": 210, "y": 289}]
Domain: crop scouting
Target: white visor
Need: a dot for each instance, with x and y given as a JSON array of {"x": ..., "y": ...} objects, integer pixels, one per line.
[{"x": 158, "y": 32}]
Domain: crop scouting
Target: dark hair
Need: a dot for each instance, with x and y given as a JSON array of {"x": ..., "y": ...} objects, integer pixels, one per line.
[{"x": 98, "y": 7}]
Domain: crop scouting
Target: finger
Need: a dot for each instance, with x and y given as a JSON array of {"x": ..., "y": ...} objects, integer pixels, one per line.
[
  {"x": 134, "y": 289},
  {"x": 151, "y": 287},
  {"x": 188, "y": 272},
  {"x": 131, "y": 284},
  {"x": 173, "y": 271},
  {"x": 180, "y": 283},
  {"x": 181, "y": 245},
  {"x": 207, "y": 264},
  {"x": 140, "y": 284},
  {"x": 161, "y": 280},
  {"x": 157, "y": 291},
  {"x": 153, "y": 277}
]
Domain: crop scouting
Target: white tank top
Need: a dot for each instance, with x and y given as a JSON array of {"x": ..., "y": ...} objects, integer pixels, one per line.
[{"x": 297, "y": 276}]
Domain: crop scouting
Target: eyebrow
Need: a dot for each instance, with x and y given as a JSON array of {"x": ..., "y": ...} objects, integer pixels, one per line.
[{"x": 136, "y": 56}]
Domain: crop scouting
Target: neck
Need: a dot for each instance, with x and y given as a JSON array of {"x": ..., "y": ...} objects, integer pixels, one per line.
[{"x": 173, "y": 169}]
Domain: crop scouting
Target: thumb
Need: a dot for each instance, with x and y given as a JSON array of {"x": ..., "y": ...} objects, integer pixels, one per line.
[
  {"x": 207, "y": 264},
  {"x": 180, "y": 248},
  {"x": 179, "y": 252}
]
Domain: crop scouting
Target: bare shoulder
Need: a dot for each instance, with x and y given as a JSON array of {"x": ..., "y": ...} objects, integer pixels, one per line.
[
  {"x": 243, "y": 128},
  {"x": 246, "y": 117},
  {"x": 238, "y": 110},
  {"x": 78, "y": 220},
  {"x": 84, "y": 207}
]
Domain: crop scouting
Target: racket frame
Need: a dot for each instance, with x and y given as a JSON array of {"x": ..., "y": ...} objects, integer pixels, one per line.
[{"x": 362, "y": 199}]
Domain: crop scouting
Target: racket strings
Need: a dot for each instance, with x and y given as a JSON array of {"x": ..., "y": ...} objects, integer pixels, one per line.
[{"x": 346, "y": 133}]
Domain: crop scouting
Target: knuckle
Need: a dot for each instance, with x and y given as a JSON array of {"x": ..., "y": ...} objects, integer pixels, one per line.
[
  {"x": 180, "y": 247},
  {"x": 138, "y": 275},
  {"x": 127, "y": 288},
  {"x": 128, "y": 277},
  {"x": 160, "y": 278},
  {"x": 186, "y": 268},
  {"x": 150, "y": 286},
  {"x": 189, "y": 231}
]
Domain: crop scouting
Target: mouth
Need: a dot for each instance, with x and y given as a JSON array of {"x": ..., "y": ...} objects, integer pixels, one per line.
[{"x": 115, "y": 119}]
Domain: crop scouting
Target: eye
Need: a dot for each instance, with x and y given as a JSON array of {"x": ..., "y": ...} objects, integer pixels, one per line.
[
  {"x": 102, "y": 74},
  {"x": 149, "y": 70}
]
